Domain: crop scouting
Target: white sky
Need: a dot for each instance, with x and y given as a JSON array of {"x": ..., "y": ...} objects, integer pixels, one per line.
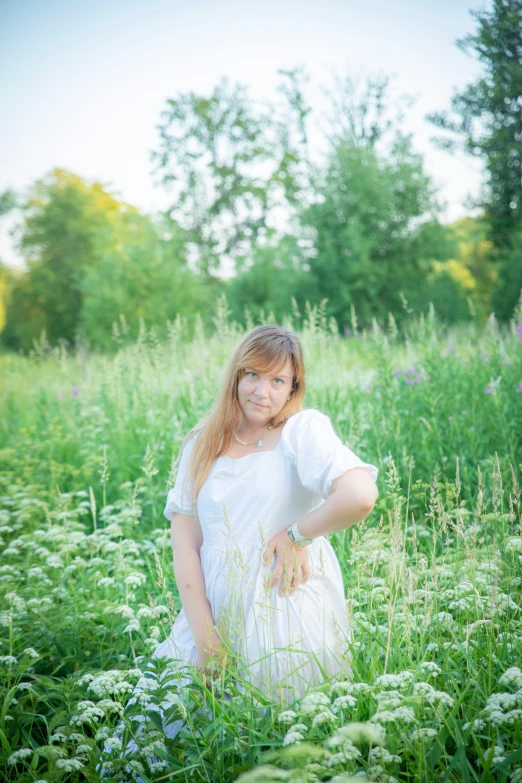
[{"x": 83, "y": 83}]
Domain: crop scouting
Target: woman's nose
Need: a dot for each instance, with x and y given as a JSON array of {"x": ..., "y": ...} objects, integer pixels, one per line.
[{"x": 262, "y": 386}]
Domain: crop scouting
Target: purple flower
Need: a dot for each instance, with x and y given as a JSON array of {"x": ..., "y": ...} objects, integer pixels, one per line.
[
  {"x": 409, "y": 381},
  {"x": 347, "y": 331},
  {"x": 519, "y": 331},
  {"x": 489, "y": 390},
  {"x": 74, "y": 391},
  {"x": 519, "y": 389}
]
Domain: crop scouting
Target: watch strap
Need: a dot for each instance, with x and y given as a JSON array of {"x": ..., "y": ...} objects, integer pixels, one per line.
[{"x": 296, "y": 537}]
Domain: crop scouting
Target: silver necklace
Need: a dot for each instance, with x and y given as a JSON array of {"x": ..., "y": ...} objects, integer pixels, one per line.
[{"x": 258, "y": 442}]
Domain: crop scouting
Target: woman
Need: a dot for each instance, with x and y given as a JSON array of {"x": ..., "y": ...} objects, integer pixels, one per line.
[{"x": 260, "y": 483}]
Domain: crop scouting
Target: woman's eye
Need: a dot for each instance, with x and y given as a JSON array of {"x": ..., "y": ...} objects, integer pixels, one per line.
[
  {"x": 279, "y": 379},
  {"x": 251, "y": 372}
]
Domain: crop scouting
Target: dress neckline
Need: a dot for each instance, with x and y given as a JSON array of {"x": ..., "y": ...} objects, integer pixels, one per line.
[
  {"x": 253, "y": 453},
  {"x": 266, "y": 451}
]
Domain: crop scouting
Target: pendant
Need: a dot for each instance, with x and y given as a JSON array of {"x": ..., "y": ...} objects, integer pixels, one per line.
[{"x": 260, "y": 442}]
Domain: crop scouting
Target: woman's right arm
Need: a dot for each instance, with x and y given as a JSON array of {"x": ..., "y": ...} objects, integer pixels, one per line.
[{"x": 186, "y": 538}]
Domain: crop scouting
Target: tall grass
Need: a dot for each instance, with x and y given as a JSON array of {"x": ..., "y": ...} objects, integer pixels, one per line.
[{"x": 433, "y": 576}]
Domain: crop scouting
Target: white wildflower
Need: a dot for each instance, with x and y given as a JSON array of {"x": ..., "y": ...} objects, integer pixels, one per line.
[
  {"x": 106, "y": 581},
  {"x": 112, "y": 744},
  {"x": 346, "y": 702},
  {"x": 383, "y": 755},
  {"x": 395, "y": 681},
  {"x": 313, "y": 703},
  {"x": 431, "y": 668},
  {"x": 69, "y": 765},
  {"x": 58, "y": 736},
  {"x": 405, "y": 714},
  {"x": 324, "y": 716},
  {"x": 423, "y": 734},
  {"x": 18, "y": 755},
  {"x": 288, "y": 716},
  {"x": 295, "y": 735},
  {"x": 512, "y": 676}
]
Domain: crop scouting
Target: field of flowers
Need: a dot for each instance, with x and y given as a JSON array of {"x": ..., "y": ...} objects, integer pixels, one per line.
[{"x": 433, "y": 576}]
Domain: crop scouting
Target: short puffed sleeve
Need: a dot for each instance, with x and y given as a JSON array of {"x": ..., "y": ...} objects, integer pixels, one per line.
[
  {"x": 178, "y": 499},
  {"x": 317, "y": 452}
]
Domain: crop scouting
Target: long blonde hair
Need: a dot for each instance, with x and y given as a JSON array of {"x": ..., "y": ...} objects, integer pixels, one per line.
[{"x": 265, "y": 349}]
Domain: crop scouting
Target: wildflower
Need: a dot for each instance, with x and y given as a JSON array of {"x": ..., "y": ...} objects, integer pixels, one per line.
[
  {"x": 69, "y": 765},
  {"x": 430, "y": 667},
  {"x": 288, "y": 716},
  {"x": 396, "y": 681},
  {"x": 388, "y": 700},
  {"x": 106, "y": 581},
  {"x": 344, "y": 702},
  {"x": 423, "y": 733},
  {"x": 384, "y": 755},
  {"x": 383, "y": 716},
  {"x": 513, "y": 677},
  {"x": 135, "y": 580},
  {"x": 58, "y": 736},
  {"x": 405, "y": 714},
  {"x": 74, "y": 391},
  {"x": 519, "y": 388},
  {"x": 323, "y": 716},
  {"x": 295, "y": 735},
  {"x": 18, "y": 755},
  {"x": 359, "y": 732},
  {"x": 314, "y": 703},
  {"x": 112, "y": 744}
]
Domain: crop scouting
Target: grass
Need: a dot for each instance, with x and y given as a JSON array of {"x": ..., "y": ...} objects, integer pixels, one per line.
[{"x": 433, "y": 577}]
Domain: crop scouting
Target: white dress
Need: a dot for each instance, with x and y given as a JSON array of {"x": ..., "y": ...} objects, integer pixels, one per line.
[{"x": 243, "y": 503}]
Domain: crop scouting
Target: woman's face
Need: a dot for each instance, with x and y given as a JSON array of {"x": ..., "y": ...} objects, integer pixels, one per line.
[{"x": 262, "y": 396}]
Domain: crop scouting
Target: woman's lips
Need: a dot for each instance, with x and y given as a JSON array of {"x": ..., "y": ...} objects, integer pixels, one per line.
[{"x": 257, "y": 404}]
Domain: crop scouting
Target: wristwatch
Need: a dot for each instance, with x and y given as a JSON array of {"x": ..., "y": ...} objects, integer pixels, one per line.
[{"x": 295, "y": 536}]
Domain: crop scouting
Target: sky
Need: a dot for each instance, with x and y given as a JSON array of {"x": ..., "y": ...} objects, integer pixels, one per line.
[{"x": 83, "y": 83}]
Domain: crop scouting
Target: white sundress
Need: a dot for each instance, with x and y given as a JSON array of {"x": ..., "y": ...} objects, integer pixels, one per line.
[{"x": 243, "y": 503}]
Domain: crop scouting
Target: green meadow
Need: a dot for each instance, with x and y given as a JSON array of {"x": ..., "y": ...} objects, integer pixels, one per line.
[{"x": 433, "y": 577}]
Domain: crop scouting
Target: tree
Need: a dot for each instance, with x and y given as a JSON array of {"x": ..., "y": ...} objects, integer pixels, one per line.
[
  {"x": 144, "y": 279},
  {"x": 232, "y": 167},
  {"x": 486, "y": 119},
  {"x": 92, "y": 259},
  {"x": 373, "y": 210},
  {"x": 65, "y": 222}
]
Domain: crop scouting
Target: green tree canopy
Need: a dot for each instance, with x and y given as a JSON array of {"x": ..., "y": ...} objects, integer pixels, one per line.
[{"x": 486, "y": 120}]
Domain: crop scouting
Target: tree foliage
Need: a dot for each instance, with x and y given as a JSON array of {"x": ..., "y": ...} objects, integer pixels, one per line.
[
  {"x": 89, "y": 259},
  {"x": 231, "y": 166},
  {"x": 486, "y": 120}
]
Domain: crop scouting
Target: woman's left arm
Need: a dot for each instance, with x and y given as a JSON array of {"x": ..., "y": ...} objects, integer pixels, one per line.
[{"x": 352, "y": 498}]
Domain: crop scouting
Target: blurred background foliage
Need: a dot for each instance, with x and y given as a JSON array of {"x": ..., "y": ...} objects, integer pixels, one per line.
[{"x": 254, "y": 218}]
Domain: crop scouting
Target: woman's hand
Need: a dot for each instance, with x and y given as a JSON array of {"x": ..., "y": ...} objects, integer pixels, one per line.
[
  {"x": 211, "y": 647},
  {"x": 291, "y": 561}
]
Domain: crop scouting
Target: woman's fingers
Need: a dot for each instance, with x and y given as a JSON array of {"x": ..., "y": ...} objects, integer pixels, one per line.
[
  {"x": 291, "y": 563},
  {"x": 293, "y": 573},
  {"x": 269, "y": 552}
]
